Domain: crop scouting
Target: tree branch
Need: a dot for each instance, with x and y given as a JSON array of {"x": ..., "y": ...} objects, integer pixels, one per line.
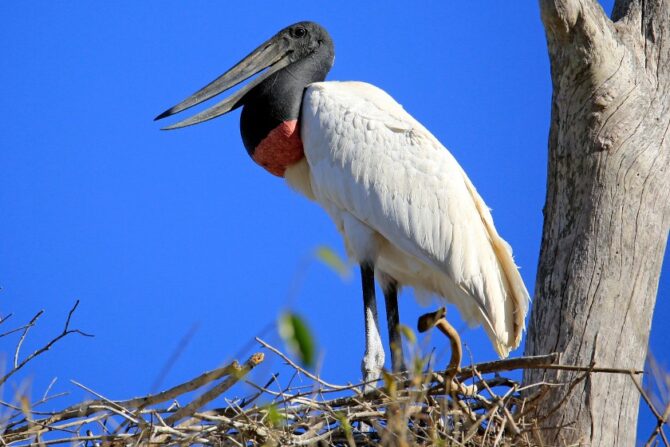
[
  {"x": 217, "y": 390},
  {"x": 66, "y": 331},
  {"x": 587, "y": 51},
  {"x": 646, "y": 24},
  {"x": 567, "y": 20}
]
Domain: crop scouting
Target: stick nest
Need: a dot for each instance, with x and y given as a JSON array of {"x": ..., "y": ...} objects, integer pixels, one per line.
[{"x": 480, "y": 405}]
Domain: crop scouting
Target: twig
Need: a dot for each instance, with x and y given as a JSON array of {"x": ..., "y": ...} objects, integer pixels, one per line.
[
  {"x": 261, "y": 390},
  {"x": 183, "y": 343},
  {"x": 5, "y": 318},
  {"x": 124, "y": 411},
  {"x": 540, "y": 362},
  {"x": 302, "y": 370},
  {"x": 66, "y": 331},
  {"x": 46, "y": 392},
  {"x": 198, "y": 402},
  {"x": 193, "y": 384},
  {"x": 25, "y": 328},
  {"x": 566, "y": 396},
  {"x": 535, "y": 362},
  {"x": 659, "y": 418}
]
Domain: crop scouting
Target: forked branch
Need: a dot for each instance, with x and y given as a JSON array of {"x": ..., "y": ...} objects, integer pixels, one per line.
[{"x": 19, "y": 364}]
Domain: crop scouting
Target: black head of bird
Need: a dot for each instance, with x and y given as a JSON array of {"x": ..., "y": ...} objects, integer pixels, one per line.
[{"x": 295, "y": 57}]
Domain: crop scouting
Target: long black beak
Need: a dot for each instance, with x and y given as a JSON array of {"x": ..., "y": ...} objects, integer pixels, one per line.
[{"x": 273, "y": 55}]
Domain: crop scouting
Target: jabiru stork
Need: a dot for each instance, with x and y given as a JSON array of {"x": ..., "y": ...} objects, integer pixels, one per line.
[{"x": 408, "y": 212}]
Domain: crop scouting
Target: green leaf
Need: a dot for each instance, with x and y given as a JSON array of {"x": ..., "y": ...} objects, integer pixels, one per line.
[
  {"x": 408, "y": 333},
  {"x": 344, "y": 422},
  {"x": 418, "y": 364},
  {"x": 274, "y": 416},
  {"x": 390, "y": 384},
  {"x": 297, "y": 336},
  {"x": 332, "y": 260}
]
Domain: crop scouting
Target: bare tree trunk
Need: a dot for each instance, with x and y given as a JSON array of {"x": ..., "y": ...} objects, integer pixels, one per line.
[{"x": 607, "y": 211}]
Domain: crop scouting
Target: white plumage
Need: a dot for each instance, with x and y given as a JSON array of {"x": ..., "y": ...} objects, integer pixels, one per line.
[
  {"x": 408, "y": 212},
  {"x": 401, "y": 200}
]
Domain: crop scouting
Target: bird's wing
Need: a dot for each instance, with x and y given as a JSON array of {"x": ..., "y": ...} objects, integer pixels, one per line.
[{"x": 371, "y": 159}]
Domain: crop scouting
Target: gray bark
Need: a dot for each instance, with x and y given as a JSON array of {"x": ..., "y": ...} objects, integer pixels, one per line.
[{"x": 607, "y": 211}]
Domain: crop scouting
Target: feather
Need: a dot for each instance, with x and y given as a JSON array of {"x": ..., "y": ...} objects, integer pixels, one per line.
[{"x": 403, "y": 202}]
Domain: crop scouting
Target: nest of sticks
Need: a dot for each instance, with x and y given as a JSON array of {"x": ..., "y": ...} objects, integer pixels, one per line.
[
  {"x": 480, "y": 408},
  {"x": 476, "y": 405}
]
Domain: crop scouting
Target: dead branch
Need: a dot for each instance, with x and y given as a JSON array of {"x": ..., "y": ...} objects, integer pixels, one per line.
[{"x": 18, "y": 365}]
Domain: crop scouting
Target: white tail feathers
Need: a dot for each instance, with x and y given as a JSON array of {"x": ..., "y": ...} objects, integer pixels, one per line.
[{"x": 515, "y": 297}]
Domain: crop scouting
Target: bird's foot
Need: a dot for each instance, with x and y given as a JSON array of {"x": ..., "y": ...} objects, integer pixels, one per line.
[
  {"x": 369, "y": 384},
  {"x": 371, "y": 367}
]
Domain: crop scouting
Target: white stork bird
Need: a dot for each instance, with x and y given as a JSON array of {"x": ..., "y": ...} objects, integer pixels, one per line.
[{"x": 406, "y": 209}]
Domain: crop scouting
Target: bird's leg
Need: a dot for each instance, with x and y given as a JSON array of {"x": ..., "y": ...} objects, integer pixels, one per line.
[
  {"x": 393, "y": 322},
  {"x": 373, "y": 360}
]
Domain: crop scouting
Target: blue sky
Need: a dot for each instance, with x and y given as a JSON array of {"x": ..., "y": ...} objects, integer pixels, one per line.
[{"x": 163, "y": 233}]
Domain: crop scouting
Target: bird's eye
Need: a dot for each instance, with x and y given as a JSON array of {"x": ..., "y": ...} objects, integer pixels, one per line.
[{"x": 299, "y": 32}]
